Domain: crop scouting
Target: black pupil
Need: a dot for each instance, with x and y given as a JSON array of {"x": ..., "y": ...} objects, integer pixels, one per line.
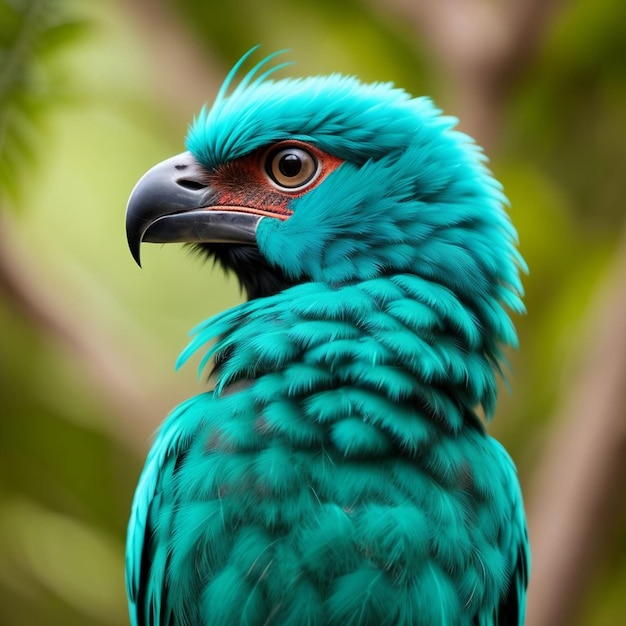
[{"x": 290, "y": 165}]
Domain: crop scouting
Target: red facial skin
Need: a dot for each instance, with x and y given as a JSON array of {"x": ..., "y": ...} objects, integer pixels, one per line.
[{"x": 243, "y": 185}]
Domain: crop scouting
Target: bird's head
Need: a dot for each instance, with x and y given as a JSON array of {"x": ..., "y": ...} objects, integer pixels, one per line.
[{"x": 328, "y": 179}]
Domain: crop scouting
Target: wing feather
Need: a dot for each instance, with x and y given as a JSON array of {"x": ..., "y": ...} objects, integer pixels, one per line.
[{"x": 150, "y": 523}]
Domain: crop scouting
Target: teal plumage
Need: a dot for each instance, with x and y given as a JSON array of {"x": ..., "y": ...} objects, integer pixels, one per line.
[{"x": 338, "y": 472}]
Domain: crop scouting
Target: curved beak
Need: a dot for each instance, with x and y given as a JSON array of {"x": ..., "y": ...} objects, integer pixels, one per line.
[{"x": 174, "y": 202}]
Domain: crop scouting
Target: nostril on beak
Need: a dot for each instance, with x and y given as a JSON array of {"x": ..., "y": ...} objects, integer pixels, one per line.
[{"x": 192, "y": 185}]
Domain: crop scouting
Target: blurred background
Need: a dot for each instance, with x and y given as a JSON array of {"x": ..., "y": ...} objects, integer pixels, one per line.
[{"x": 93, "y": 93}]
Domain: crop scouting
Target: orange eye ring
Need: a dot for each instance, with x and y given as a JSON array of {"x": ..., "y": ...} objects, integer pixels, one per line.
[{"x": 291, "y": 167}]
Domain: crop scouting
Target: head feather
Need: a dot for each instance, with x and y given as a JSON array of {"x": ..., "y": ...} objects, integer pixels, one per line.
[{"x": 413, "y": 197}]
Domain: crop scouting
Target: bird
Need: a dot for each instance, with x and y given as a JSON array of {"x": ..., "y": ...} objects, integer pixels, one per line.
[{"x": 338, "y": 468}]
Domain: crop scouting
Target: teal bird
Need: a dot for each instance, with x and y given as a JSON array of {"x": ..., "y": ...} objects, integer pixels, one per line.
[{"x": 338, "y": 473}]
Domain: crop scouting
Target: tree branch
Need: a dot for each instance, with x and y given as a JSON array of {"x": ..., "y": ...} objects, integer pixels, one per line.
[
  {"x": 115, "y": 381},
  {"x": 481, "y": 47},
  {"x": 583, "y": 467},
  {"x": 183, "y": 74}
]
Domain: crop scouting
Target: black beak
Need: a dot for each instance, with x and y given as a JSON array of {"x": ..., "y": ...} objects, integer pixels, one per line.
[{"x": 174, "y": 202}]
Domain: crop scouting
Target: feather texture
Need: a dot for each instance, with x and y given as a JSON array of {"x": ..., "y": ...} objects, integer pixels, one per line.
[{"x": 338, "y": 473}]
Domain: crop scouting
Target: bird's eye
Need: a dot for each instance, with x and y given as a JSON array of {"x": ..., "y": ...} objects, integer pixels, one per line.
[{"x": 291, "y": 167}]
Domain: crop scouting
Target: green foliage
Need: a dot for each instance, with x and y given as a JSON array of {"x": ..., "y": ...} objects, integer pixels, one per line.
[
  {"x": 31, "y": 34},
  {"x": 569, "y": 113}
]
